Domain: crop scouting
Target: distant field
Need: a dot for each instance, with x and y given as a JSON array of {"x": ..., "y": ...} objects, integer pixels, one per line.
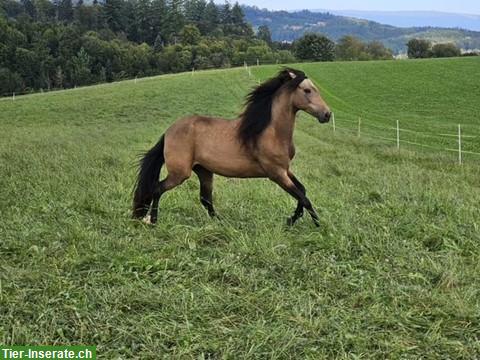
[
  {"x": 392, "y": 273},
  {"x": 429, "y": 98}
]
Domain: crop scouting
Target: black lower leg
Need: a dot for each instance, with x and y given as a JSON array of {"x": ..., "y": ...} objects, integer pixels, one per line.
[
  {"x": 299, "y": 210},
  {"x": 206, "y": 188},
  {"x": 156, "y": 199},
  {"x": 207, "y": 204},
  {"x": 296, "y": 215},
  {"x": 304, "y": 202},
  {"x": 312, "y": 212}
]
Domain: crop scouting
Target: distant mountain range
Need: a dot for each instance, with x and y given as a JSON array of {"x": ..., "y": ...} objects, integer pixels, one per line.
[
  {"x": 414, "y": 18},
  {"x": 288, "y": 26}
]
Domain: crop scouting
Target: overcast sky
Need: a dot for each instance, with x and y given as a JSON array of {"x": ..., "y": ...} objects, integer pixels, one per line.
[{"x": 462, "y": 6}]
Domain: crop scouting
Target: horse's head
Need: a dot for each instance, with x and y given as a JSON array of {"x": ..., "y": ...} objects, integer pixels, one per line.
[{"x": 306, "y": 97}]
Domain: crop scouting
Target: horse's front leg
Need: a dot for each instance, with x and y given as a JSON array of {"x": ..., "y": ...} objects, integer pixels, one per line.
[
  {"x": 299, "y": 210},
  {"x": 282, "y": 178}
]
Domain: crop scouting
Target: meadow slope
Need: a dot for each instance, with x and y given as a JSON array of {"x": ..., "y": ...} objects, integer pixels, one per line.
[{"x": 393, "y": 271}]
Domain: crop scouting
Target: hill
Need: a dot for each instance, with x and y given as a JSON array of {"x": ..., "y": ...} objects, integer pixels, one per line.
[
  {"x": 415, "y": 18},
  {"x": 393, "y": 272},
  {"x": 288, "y": 26}
]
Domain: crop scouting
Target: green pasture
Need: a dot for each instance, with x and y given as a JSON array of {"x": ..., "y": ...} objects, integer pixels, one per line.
[{"x": 392, "y": 273}]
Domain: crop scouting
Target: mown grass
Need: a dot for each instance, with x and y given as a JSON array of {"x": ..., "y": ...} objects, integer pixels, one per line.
[
  {"x": 392, "y": 273},
  {"x": 429, "y": 99}
]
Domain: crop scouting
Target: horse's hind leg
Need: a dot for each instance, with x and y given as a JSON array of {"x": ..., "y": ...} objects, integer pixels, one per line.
[
  {"x": 172, "y": 180},
  {"x": 206, "y": 188}
]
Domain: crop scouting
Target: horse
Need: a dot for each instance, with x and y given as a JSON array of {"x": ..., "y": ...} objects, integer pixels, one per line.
[{"x": 258, "y": 144}]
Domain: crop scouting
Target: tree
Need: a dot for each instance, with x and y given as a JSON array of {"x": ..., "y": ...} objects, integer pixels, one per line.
[
  {"x": 80, "y": 68},
  {"x": 113, "y": 15},
  {"x": 264, "y": 34},
  {"x": 237, "y": 15},
  {"x": 226, "y": 14},
  {"x": 26, "y": 65},
  {"x": 174, "y": 20},
  {"x": 378, "y": 51},
  {"x": 65, "y": 10},
  {"x": 190, "y": 35},
  {"x": 419, "y": 49},
  {"x": 142, "y": 23},
  {"x": 11, "y": 8},
  {"x": 315, "y": 47},
  {"x": 194, "y": 10},
  {"x": 85, "y": 16},
  {"x": 445, "y": 50},
  {"x": 350, "y": 48},
  {"x": 58, "y": 78},
  {"x": 211, "y": 17},
  {"x": 45, "y": 10},
  {"x": 10, "y": 82},
  {"x": 159, "y": 43},
  {"x": 30, "y": 8},
  {"x": 158, "y": 19}
]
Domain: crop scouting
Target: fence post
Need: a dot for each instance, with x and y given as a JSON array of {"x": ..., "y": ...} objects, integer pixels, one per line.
[
  {"x": 459, "y": 144},
  {"x": 13, "y": 97},
  {"x": 193, "y": 70},
  {"x": 135, "y": 79},
  {"x": 359, "y": 126},
  {"x": 249, "y": 72},
  {"x": 398, "y": 135},
  {"x": 258, "y": 62},
  {"x": 333, "y": 121}
]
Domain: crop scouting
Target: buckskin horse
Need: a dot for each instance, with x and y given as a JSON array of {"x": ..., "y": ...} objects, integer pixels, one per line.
[{"x": 259, "y": 144}]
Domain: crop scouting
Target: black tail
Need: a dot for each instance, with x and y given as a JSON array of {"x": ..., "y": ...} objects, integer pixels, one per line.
[{"x": 148, "y": 176}]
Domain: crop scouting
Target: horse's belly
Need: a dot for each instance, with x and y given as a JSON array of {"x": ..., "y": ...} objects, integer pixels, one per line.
[{"x": 230, "y": 165}]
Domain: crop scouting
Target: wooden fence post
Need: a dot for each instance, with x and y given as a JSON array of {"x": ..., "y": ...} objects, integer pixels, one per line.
[{"x": 460, "y": 144}]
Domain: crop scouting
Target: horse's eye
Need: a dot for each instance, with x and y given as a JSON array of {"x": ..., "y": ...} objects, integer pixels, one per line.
[{"x": 307, "y": 91}]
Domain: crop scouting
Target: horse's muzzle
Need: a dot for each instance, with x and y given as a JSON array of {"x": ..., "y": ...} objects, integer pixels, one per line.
[{"x": 325, "y": 118}]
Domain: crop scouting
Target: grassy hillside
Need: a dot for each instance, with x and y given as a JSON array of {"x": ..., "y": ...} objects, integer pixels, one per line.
[
  {"x": 428, "y": 98},
  {"x": 393, "y": 272},
  {"x": 288, "y": 26}
]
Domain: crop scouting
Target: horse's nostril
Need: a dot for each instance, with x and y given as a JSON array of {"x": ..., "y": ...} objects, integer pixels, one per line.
[{"x": 328, "y": 115}]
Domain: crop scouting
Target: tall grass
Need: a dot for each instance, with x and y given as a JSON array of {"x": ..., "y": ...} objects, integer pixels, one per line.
[{"x": 392, "y": 273}]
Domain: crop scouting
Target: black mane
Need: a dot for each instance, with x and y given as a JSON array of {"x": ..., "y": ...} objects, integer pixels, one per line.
[{"x": 258, "y": 106}]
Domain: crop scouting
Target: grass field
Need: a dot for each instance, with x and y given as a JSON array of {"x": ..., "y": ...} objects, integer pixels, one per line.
[{"x": 392, "y": 273}]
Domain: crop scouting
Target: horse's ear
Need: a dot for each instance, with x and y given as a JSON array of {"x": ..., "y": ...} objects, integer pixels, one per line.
[{"x": 292, "y": 75}]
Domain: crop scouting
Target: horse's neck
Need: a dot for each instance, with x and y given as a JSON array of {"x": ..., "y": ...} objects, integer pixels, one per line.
[{"x": 283, "y": 118}]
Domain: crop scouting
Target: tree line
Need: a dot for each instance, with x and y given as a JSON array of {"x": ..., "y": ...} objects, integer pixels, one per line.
[
  {"x": 60, "y": 44},
  {"x": 423, "y": 49}
]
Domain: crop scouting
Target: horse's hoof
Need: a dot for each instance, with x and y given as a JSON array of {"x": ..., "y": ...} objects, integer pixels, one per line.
[
  {"x": 148, "y": 220},
  {"x": 290, "y": 222}
]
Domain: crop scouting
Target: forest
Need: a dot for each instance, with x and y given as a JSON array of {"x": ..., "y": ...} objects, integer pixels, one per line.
[
  {"x": 59, "y": 44},
  {"x": 52, "y": 45}
]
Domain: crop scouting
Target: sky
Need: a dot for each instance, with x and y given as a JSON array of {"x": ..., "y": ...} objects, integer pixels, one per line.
[{"x": 459, "y": 6}]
